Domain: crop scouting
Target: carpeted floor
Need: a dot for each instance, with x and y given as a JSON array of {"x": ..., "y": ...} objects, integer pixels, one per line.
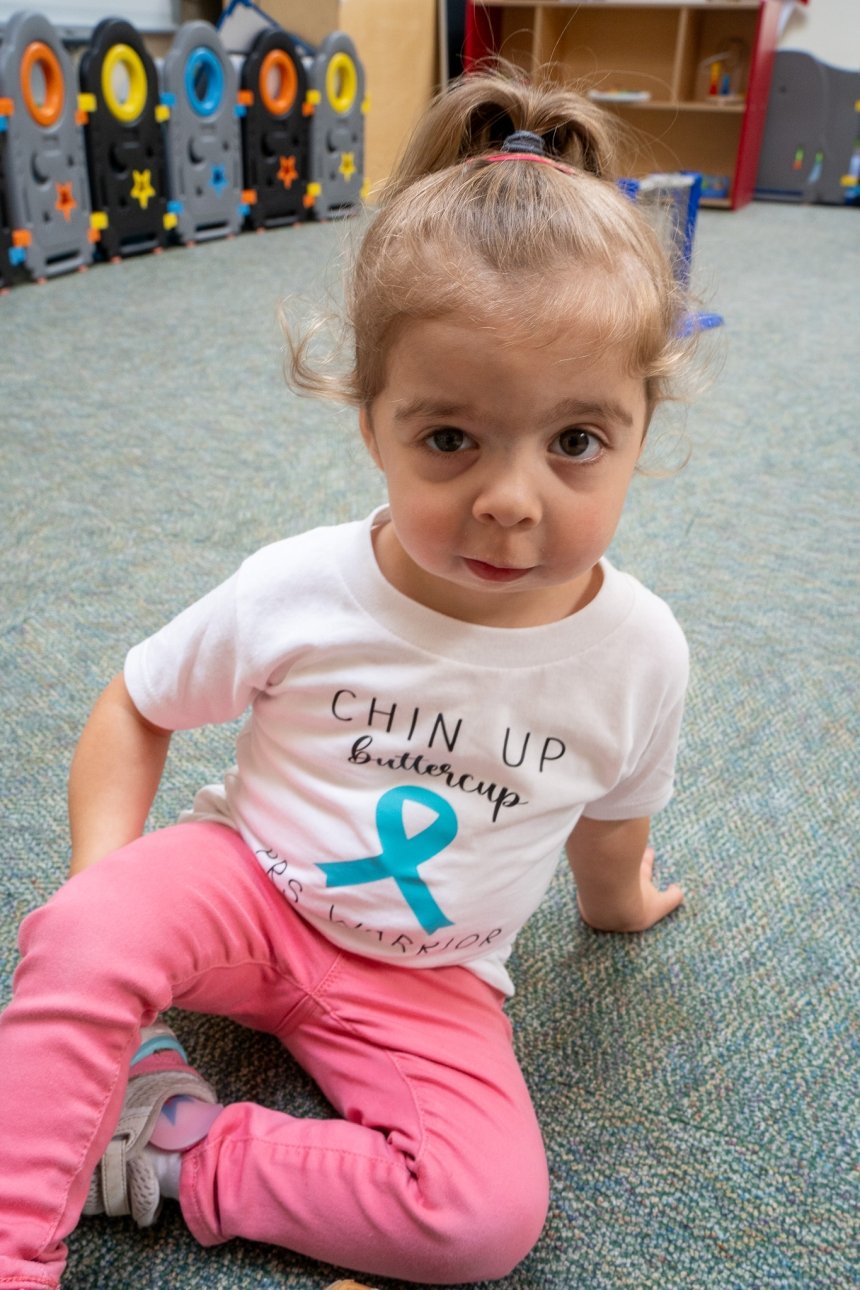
[{"x": 698, "y": 1086}]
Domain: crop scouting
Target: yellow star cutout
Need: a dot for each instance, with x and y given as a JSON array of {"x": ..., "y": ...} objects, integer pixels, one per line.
[
  {"x": 288, "y": 173},
  {"x": 142, "y": 189},
  {"x": 65, "y": 201},
  {"x": 347, "y": 164}
]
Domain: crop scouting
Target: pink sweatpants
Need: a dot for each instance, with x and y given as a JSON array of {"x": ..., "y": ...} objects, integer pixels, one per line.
[{"x": 435, "y": 1171}]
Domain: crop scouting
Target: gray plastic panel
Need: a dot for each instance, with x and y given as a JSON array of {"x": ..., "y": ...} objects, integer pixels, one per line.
[
  {"x": 810, "y": 140},
  {"x": 47, "y": 188},
  {"x": 337, "y": 127},
  {"x": 204, "y": 161}
]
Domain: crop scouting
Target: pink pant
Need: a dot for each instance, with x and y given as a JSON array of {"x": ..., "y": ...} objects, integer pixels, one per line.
[{"x": 436, "y": 1171}]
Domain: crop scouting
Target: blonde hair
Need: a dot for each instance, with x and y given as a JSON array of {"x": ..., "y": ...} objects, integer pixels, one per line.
[{"x": 527, "y": 245}]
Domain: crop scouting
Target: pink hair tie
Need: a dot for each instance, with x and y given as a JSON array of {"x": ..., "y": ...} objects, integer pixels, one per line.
[
  {"x": 526, "y": 156},
  {"x": 525, "y": 145}
]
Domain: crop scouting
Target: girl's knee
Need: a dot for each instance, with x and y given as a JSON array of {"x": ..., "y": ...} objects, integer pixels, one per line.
[
  {"x": 506, "y": 1236},
  {"x": 57, "y": 927},
  {"x": 78, "y": 940},
  {"x": 491, "y": 1224},
  {"x": 114, "y": 905}
]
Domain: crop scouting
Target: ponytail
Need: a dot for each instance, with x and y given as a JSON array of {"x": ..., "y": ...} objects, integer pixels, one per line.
[
  {"x": 470, "y": 228},
  {"x": 474, "y": 116}
]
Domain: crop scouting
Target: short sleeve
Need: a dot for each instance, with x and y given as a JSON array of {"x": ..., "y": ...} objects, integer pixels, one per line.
[
  {"x": 658, "y": 673},
  {"x": 190, "y": 673},
  {"x": 649, "y": 787}
]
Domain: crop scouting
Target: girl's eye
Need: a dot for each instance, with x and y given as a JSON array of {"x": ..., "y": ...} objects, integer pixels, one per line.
[
  {"x": 578, "y": 445},
  {"x": 448, "y": 440}
]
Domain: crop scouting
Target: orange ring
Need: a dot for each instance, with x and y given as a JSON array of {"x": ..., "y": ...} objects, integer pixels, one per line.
[
  {"x": 278, "y": 64},
  {"x": 38, "y": 54}
]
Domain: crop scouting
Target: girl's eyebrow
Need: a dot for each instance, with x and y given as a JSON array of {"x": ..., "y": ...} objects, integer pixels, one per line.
[
  {"x": 565, "y": 410},
  {"x": 429, "y": 408},
  {"x": 590, "y": 410}
]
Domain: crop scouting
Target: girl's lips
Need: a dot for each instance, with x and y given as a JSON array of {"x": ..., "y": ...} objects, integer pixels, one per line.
[{"x": 493, "y": 573}]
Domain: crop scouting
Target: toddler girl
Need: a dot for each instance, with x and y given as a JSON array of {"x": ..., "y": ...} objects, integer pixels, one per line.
[{"x": 442, "y": 696}]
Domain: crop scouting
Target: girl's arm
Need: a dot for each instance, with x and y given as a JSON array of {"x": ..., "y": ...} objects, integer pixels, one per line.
[
  {"x": 115, "y": 774},
  {"x": 613, "y": 867}
]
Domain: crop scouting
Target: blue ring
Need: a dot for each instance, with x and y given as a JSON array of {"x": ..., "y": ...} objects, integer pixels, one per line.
[{"x": 204, "y": 60}]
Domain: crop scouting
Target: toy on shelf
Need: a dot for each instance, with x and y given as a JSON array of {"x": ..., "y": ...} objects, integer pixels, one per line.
[
  {"x": 275, "y": 128},
  {"x": 619, "y": 96},
  {"x": 717, "y": 187},
  {"x": 204, "y": 157},
  {"x": 722, "y": 77},
  {"x": 124, "y": 139},
  {"x": 46, "y": 180}
]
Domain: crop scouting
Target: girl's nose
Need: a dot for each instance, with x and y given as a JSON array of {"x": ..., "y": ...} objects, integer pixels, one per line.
[{"x": 509, "y": 497}]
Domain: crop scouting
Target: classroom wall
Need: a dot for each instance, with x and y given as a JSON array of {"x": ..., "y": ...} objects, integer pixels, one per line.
[{"x": 828, "y": 29}]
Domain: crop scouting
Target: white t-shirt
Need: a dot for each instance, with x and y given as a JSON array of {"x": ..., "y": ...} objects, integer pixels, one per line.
[{"x": 407, "y": 780}]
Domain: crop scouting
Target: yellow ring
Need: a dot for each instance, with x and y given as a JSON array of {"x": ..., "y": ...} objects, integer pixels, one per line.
[
  {"x": 49, "y": 111},
  {"x": 341, "y": 68},
  {"x": 130, "y": 108}
]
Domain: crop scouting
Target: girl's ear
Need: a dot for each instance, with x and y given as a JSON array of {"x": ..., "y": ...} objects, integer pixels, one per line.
[{"x": 367, "y": 434}]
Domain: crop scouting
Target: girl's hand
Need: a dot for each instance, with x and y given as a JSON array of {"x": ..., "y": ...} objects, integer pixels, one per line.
[
  {"x": 653, "y": 904},
  {"x": 614, "y": 872}
]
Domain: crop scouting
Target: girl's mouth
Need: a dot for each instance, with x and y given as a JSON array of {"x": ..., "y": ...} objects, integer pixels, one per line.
[{"x": 493, "y": 572}]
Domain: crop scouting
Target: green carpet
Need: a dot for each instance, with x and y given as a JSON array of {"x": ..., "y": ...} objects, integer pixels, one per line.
[{"x": 698, "y": 1086}]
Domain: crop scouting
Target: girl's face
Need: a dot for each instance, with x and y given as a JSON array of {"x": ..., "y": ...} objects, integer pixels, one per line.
[{"x": 507, "y": 463}]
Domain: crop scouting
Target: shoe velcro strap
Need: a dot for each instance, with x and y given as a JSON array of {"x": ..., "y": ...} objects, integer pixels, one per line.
[
  {"x": 114, "y": 1164},
  {"x": 113, "y": 1168}
]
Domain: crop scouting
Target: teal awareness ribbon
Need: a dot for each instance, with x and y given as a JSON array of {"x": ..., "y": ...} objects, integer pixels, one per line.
[{"x": 400, "y": 855}]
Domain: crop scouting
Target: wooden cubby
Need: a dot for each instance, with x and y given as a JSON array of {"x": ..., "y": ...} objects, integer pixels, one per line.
[{"x": 656, "y": 48}]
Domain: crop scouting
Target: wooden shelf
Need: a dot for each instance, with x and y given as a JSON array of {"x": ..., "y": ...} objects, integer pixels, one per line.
[
  {"x": 665, "y": 48},
  {"x": 669, "y": 106},
  {"x": 631, "y": 4}
]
